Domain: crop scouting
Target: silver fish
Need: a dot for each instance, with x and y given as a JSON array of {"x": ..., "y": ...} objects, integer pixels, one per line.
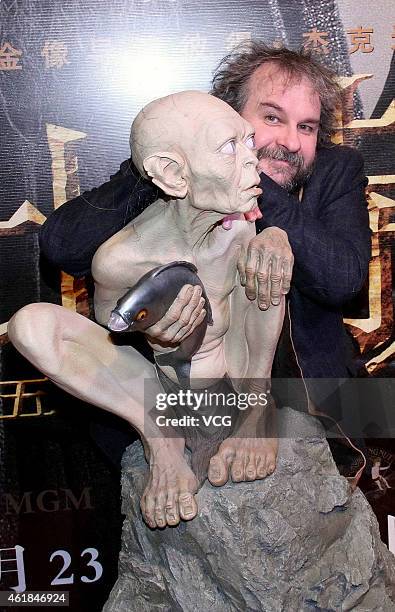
[{"x": 147, "y": 302}]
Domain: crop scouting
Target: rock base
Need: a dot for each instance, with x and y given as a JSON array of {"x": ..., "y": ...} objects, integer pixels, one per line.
[{"x": 298, "y": 540}]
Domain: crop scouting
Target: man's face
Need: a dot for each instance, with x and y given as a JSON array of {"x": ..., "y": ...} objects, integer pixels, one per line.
[
  {"x": 223, "y": 162},
  {"x": 285, "y": 116}
]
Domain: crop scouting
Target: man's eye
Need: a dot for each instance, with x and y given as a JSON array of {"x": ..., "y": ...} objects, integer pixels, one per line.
[
  {"x": 306, "y": 128},
  {"x": 271, "y": 118},
  {"x": 229, "y": 148},
  {"x": 250, "y": 142}
]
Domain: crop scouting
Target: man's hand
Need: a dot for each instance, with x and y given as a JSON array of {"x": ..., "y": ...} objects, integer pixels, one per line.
[
  {"x": 183, "y": 316},
  {"x": 266, "y": 267}
]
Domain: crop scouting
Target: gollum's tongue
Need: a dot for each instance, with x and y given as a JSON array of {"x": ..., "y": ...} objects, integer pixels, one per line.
[{"x": 251, "y": 216}]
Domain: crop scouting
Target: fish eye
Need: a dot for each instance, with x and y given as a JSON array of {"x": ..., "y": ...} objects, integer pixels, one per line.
[
  {"x": 229, "y": 147},
  {"x": 140, "y": 316},
  {"x": 250, "y": 142}
]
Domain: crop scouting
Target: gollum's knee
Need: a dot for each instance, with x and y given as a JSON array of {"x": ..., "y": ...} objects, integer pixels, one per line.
[{"x": 32, "y": 330}]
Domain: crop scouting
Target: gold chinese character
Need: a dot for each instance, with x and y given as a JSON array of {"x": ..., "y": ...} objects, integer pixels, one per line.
[
  {"x": 9, "y": 57},
  {"x": 360, "y": 40},
  {"x": 24, "y": 398},
  {"x": 55, "y": 54},
  {"x": 316, "y": 41}
]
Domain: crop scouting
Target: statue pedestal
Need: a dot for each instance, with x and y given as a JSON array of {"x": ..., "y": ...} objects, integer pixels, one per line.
[{"x": 298, "y": 540}]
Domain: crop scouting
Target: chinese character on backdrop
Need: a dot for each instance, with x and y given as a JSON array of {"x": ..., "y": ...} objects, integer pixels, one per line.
[
  {"x": 10, "y": 564},
  {"x": 9, "y": 57},
  {"x": 315, "y": 41},
  {"x": 55, "y": 54},
  {"x": 361, "y": 39}
]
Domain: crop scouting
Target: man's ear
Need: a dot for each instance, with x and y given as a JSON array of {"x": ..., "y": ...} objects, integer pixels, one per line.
[{"x": 166, "y": 169}]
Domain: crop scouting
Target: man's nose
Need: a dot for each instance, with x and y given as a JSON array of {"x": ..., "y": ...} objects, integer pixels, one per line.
[{"x": 288, "y": 137}]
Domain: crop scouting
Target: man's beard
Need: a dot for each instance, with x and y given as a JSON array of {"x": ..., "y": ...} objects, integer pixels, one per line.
[{"x": 302, "y": 172}]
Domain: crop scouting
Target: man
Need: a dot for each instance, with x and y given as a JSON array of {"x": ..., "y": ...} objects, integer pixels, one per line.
[
  {"x": 201, "y": 153},
  {"x": 312, "y": 191}
]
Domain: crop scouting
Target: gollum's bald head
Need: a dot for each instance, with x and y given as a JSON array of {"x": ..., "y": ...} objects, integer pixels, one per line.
[{"x": 192, "y": 144}]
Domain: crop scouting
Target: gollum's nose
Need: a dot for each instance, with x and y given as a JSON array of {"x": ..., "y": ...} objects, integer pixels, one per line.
[{"x": 116, "y": 323}]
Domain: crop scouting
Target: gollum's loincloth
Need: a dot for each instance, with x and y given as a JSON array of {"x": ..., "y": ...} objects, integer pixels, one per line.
[{"x": 215, "y": 412}]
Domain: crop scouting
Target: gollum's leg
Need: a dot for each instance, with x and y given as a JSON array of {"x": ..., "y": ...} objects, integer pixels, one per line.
[
  {"x": 79, "y": 356},
  {"x": 251, "y": 452}
]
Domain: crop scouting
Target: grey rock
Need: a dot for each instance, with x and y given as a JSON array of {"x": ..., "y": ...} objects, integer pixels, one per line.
[{"x": 299, "y": 540}]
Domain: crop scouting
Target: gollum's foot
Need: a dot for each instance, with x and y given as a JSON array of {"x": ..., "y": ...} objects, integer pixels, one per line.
[
  {"x": 243, "y": 459},
  {"x": 251, "y": 452},
  {"x": 170, "y": 493}
]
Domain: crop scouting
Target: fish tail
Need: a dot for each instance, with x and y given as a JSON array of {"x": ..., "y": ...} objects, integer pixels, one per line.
[{"x": 182, "y": 367}]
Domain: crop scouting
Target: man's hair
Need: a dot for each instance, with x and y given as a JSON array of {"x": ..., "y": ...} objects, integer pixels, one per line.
[{"x": 232, "y": 78}]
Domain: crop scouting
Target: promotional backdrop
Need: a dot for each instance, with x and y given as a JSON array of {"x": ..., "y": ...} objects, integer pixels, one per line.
[{"x": 72, "y": 77}]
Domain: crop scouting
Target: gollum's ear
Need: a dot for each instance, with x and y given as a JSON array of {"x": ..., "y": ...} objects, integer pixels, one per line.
[{"x": 167, "y": 171}]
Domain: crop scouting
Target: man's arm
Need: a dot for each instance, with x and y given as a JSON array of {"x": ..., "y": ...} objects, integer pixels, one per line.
[
  {"x": 330, "y": 238},
  {"x": 72, "y": 233}
]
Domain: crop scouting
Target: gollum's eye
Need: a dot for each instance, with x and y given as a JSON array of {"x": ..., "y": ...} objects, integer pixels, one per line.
[
  {"x": 229, "y": 148},
  {"x": 250, "y": 142},
  {"x": 141, "y": 315}
]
